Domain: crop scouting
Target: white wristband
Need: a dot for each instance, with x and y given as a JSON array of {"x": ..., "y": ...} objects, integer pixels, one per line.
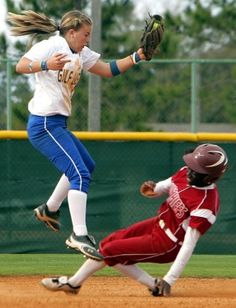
[{"x": 135, "y": 57}]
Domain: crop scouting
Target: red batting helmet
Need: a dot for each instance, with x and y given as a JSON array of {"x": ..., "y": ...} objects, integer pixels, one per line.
[{"x": 207, "y": 159}]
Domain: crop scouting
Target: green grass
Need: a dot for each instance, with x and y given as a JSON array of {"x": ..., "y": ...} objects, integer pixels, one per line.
[{"x": 206, "y": 266}]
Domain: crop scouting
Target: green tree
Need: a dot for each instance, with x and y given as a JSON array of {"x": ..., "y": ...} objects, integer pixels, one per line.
[
  {"x": 208, "y": 28},
  {"x": 209, "y": 31}
]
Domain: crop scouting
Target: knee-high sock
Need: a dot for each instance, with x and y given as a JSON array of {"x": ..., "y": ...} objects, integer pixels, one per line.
[
  {"x": 86, "y": 270},
  {"x": 136, "y": 273},
  {"x": 77, "y": 201},
  {"x": 59, "y": 194}
]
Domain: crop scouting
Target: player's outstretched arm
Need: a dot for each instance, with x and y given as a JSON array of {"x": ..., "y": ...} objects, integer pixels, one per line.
[
  {"x": 117, "y": 67},
  {"x": 190, "y": 240},
  {"x": 149, "y": 43}
]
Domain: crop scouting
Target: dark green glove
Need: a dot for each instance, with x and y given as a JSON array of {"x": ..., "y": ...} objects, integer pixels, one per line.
[{"x": 152, "y": 36}]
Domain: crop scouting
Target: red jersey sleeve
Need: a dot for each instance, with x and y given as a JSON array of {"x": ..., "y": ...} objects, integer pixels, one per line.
[
  {"x": 199, "y": 223},
  {"x": 204, "y": 215}
]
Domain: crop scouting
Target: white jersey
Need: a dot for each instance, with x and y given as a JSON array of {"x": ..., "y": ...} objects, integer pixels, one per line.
[{"x": 54, "y": 89}]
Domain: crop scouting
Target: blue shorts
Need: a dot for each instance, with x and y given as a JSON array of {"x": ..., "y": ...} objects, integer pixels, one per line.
[{"x": 50, "y": 136}]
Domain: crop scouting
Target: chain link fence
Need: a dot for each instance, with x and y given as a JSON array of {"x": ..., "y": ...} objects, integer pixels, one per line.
[{"x": 160, "y": 95}]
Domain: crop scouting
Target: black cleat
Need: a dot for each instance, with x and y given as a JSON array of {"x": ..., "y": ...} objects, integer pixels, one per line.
[
  {"x": 84, "y": 244},
  {"x": 51, "y": 219}
]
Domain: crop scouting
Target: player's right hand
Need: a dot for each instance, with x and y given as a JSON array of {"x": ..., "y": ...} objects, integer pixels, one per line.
[
  {"x": 57, "y": 61},
  {"x": 164, "y": 288}
]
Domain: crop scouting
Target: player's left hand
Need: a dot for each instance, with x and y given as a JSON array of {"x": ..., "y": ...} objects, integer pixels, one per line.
[
  {"x": 141, "y": 54},
  {"x": 147, "y": 189},
  {"x": 162, "y": 288}
]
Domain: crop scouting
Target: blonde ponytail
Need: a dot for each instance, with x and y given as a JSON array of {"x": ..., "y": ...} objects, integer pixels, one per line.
[{"x": 29, "y": 22}]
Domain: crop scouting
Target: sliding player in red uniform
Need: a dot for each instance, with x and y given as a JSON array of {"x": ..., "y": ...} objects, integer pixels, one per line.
[{"x": 189, "y": 211}]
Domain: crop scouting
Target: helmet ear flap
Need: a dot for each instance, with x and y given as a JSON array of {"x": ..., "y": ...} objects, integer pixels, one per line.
[
  {"x": 198, "y": 179},
  {"x": 209, "y": 179}
]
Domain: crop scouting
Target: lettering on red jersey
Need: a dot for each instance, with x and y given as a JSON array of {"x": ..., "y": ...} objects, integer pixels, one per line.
[{"x": 176, "y": 203}]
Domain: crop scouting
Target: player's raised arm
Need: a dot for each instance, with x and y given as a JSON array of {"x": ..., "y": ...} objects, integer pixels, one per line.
[{"x": 149, "y": 43}]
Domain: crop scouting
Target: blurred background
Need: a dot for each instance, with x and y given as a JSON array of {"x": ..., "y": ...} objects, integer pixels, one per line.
[{"x": 190, "y": 85}]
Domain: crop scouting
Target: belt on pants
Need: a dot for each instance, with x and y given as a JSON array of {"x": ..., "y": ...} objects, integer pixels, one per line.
[{"x": 168, "y": 232}]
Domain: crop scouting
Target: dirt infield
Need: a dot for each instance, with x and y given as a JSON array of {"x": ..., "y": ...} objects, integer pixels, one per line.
[{"x": 112, "y": 292}]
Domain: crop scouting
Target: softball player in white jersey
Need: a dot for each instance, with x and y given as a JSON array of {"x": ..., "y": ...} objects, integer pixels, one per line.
[{"x": 57, "y": 64}]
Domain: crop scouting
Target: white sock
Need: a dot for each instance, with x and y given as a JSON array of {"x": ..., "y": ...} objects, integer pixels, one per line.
[
  {"x": 59, "y": 194},
  {"x": 86, "y": 270},
  {"x": 77, "y": 201},
  {"x": 136, "y": 273}
]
